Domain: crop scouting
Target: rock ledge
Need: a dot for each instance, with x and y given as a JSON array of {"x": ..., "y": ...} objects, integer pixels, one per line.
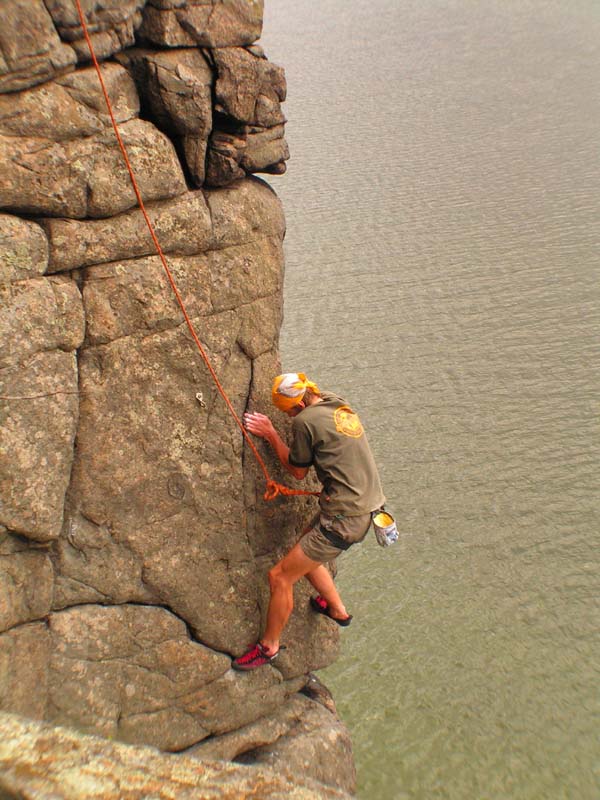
[{"x": 45, "y": 763}]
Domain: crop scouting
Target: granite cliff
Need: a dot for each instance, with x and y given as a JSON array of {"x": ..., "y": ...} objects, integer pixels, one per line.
[{"x": 134, "y": 540}]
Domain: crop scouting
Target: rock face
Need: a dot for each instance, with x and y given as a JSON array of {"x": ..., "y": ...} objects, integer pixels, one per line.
[
  {"x": 134, "y": 540},
  {"x": 42, "y": 763}
]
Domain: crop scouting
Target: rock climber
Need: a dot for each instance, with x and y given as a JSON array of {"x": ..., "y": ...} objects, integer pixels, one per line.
[{"x": 326, "y": 434}]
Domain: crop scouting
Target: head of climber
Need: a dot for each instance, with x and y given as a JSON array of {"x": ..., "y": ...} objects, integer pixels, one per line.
[{"x": 292, "y": 392}]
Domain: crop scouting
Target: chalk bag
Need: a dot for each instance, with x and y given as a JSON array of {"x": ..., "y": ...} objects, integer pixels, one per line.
[{"x": 385, "y": 528}]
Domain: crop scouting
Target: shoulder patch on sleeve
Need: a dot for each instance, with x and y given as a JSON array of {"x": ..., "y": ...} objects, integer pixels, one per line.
[{"x": 347, "y": 422}]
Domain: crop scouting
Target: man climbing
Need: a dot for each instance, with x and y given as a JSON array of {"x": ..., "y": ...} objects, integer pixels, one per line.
[{"x": 326, "y": 434}]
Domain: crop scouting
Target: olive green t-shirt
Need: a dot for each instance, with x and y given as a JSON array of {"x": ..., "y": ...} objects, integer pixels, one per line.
[{"x": 329, "y": 436}]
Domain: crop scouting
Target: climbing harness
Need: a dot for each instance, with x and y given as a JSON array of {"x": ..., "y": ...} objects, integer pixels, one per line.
[{"x": 273, "y": 488}]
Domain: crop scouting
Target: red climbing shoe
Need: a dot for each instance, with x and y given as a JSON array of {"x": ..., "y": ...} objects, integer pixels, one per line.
[
  {"x": 255, "y": 657},
  {"x": 322, "y": 607}
]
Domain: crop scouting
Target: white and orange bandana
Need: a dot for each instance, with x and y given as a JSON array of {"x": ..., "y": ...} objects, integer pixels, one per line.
[{"x": 288, "y": 389}]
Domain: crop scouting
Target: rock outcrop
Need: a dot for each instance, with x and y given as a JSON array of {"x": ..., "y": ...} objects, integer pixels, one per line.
[
  {"x": 38, "y": 762},
  {"x": 134, "y": 540}
]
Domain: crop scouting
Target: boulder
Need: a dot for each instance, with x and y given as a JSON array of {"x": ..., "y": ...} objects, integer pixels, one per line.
[
  {"x": 39, "y": 403},
  {"x": 248, "y": 133},
  {"x": 248, "y": 88},
  {"x": 23, "y": 249},
  {"x": 159, "y": 473},
  {"x": 121, "y": 298},
  {"x": 239, "y": 274},
  {"x": 242, "y": 211},
  {"x": 132, "y": 672},
  {"x": 266, "y": 150},
  {"x": 26, "y": 581},
  {"x": 231, "y": 156},
  {"x": 301, "y": 736},
  {"x": 41, "y": 314},
  {"x": 87, "y": 177},
  {"x": 69, "y": 107},
  {"x": 31, "y": 51},
  {"x": 177, "y": 88},
  {"x": 124, "y": 297},
  {"x": 260, "y": 324},
  {"x": 111, "y": 24},
  {"x": 186, "y": 225},
  {"x": 24, "y": 658},
  {"x": 46, "y": 762},
  {"x": 183, "y": 226},
  {"x": 38, "y": 420},
  {"x": 208, "y": 23},
  {"x": 93, "y": 565}
]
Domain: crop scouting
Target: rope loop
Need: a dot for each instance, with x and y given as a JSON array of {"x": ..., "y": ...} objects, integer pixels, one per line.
[{"x": 274, "y": 489}]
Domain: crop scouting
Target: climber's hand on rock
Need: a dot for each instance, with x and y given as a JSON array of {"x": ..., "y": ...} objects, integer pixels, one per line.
[{"x": 259, "y": 425}]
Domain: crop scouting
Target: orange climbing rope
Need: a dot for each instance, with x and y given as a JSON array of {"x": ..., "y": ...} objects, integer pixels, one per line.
[{"x": 273, "y": 488}]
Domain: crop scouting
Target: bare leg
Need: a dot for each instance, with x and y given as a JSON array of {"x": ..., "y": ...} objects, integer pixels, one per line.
[
  {"x": 282, "y": 578},
  {"x": 322, "y": 581}
]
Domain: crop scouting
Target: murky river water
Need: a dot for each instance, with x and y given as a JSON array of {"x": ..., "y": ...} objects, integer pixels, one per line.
[{"x": 443, "y": 273}]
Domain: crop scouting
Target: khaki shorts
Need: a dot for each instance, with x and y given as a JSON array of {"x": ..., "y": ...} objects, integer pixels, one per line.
[{"x": 329, "y": 536}]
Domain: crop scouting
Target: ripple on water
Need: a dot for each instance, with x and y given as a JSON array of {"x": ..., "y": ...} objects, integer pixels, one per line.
[{"x": 443, "y": 272}]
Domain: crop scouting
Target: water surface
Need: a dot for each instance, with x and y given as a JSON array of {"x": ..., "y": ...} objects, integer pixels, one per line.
[{"x": 443, "y": 269}]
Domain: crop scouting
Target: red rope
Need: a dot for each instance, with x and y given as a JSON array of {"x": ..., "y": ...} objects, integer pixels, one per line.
[{"x": 273, "y": 488}]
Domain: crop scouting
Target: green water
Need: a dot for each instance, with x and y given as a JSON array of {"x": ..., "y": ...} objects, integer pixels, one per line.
[{"x": 443, "y": 269}]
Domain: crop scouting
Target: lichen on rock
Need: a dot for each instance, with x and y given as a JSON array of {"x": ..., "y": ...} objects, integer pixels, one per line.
[{"x": 43, "y": 762}]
